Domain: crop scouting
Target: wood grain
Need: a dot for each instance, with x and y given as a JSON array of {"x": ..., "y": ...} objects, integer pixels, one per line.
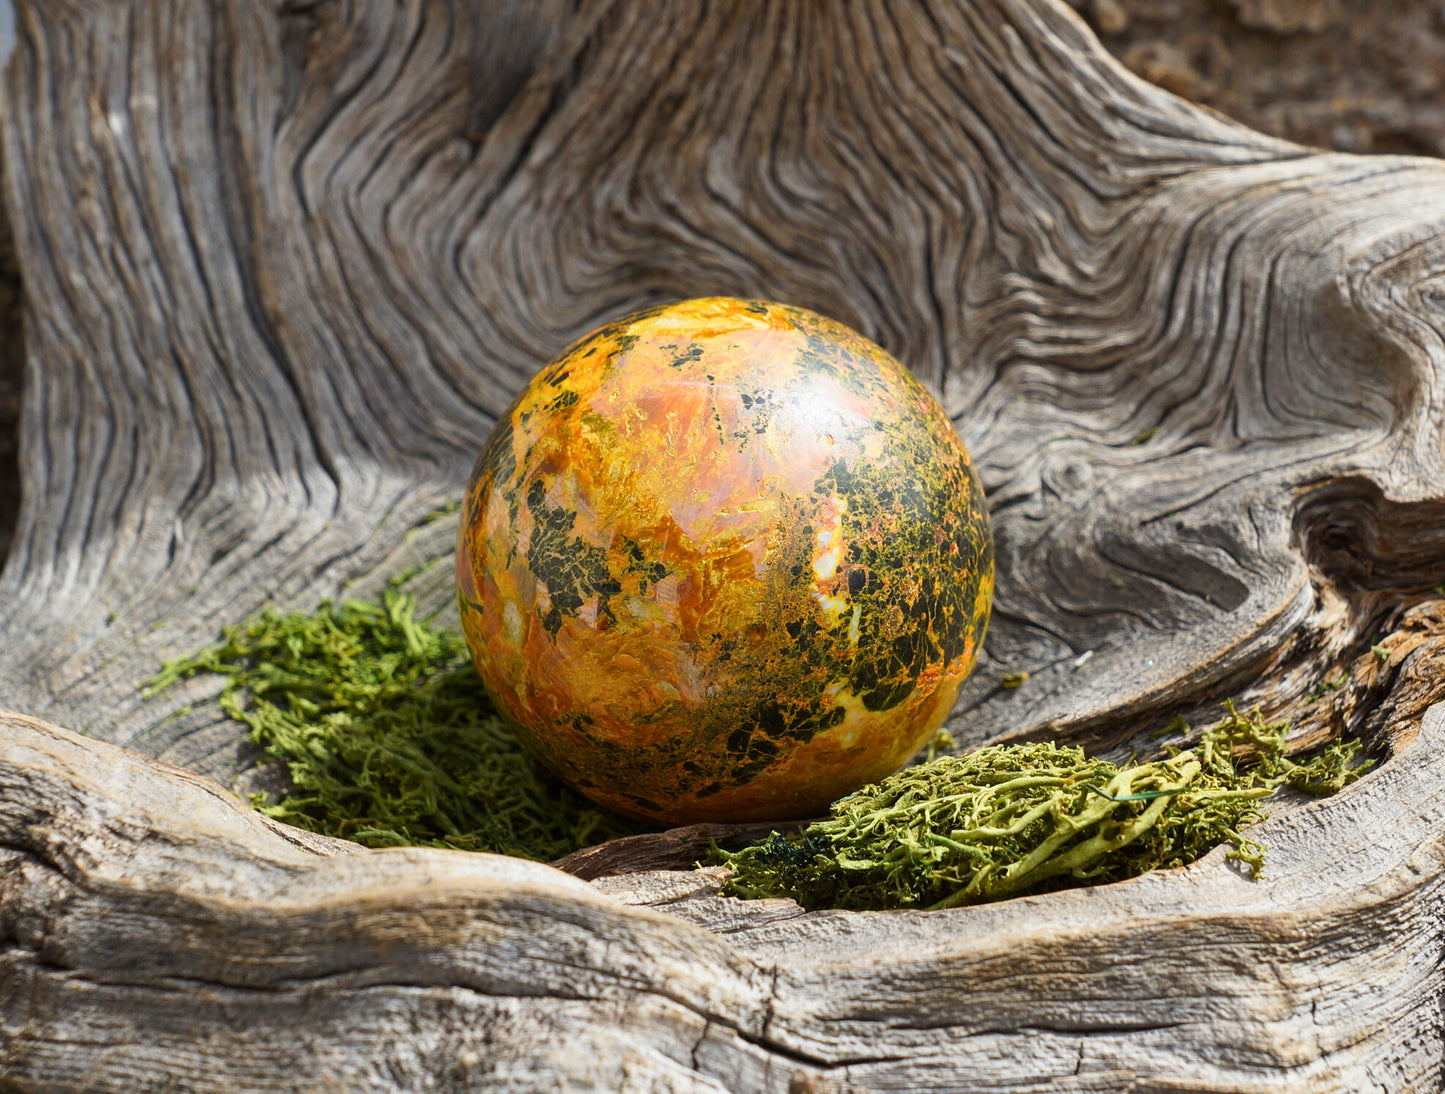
[
  {"x": 284, "y": 261},
  {"x": 311, "y": 288},
  {"x": 155, "y": 930}
]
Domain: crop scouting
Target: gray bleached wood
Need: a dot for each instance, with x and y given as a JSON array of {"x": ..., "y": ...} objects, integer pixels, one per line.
[
  {"x": 284, "y": 263},
  {"x": 311, "y": 284},
  {"x": 155, "y": 930}
]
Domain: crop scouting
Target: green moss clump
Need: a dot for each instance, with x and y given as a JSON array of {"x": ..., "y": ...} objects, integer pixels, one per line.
[
  {"x": 1012, "y": 819},
  {"x": 390, "y": 740},
  {"x": 388, "y": 735}
]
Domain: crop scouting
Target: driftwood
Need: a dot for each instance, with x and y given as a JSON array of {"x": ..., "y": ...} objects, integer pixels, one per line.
[{"x": 285, "y": 262}]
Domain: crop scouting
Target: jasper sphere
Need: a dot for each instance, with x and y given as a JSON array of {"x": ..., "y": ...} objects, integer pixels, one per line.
[{"x": 724, "y": 560}]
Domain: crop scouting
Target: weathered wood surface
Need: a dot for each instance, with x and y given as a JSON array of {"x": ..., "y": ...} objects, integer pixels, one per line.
[
  {"x": 284, "y": 263},
  {"x": 157, "y": 934}
]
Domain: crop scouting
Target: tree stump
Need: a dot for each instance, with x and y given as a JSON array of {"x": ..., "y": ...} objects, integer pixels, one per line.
[{"x": 284, "y": 263}]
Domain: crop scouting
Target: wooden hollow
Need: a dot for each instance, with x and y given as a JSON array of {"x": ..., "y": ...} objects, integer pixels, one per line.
[{"x": 285, "y": 261}]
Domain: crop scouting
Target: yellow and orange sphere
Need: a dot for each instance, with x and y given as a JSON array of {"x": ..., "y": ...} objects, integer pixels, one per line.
[{"x": 724, "y": 560}]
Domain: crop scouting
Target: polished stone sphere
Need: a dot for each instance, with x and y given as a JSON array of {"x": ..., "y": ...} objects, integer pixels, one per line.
[{"x": 724, "y": 560}]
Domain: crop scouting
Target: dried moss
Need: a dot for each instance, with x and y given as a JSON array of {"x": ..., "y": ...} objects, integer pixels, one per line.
[
  {"x": 388, "y": 735},
  {"x": 390, "y": 740},
  {"x": 1012, "y": 819}
]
